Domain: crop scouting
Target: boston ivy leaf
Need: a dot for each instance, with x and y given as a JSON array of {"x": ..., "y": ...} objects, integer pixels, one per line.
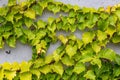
[
  {"x": 58, "y": 68},
  {"x": 15, "y": 66},
  {"x": 112, "y": 20},
  {"x": 10, "y": 74},
  {"x": 102, "y": 24},
  {"x": 3, "y": 11},
  {"x": 51, "y": 20},
  {"x": 52, "y": 27},
  {"x": 63, "y": 39},
  {"x": 71, "y": 20},
  {"x": 25, "y": 66},
  {"x": 41, "y": 24},
  {"x": 6, "y": 35},
  {"x": 11, "y": 41},
  {"x": 45, "y": 69},
  {"x": 71, "y": 50},
  {"x": 18, "y": 32},
  {"x": 110, "y": 30},
  {"x": 30, "y": 13},
  {"x": 48, "y": 59},
  {"x": 90, "y": 75},
  {"x": 54, "y": 8},
  {"x": 87, "y": 37},
  {"x": 116, "y": 71},
  {"x": 96, "y": 61},
  {"x": 76, "y": 7},
  {"x": 26, "y": 76},
  {"x": 58, "y": 53},
  {"x": 38, "y": 9},
  {"x": 29, "y": 34},
  {"x": 104, "y": 15},
  {"x": 96, "y": 47},
  {"x": 18, "y": 17},
  {"x": 117, "y": 59},
  {"x": 36, "y": 72},
  {"x": 28, "y": 22},
  {"x": 1, "y": 42},
  {"x": 9, "y": 17},
  {"x": 1, "y": 74},
  {"x": 67, "y": 61},
  {"x": 38, "y": 63},
  {"x": 101, "y": 35},
  {"x": 117, "y": 12},
  {"x": 6, "y": 66},
  {"x": 79, "y": 67},
  {"x": 107, "y": 54},
  {"x": 12, "y": 2},
  {"x": 43, "y": 4},
  {"x": 23, "y": 39},
  {"x": 116, "y": 38},
  {"x": 79, "y": 43}
]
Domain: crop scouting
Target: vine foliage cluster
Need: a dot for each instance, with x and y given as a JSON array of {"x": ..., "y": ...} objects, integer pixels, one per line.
[{"x": 75, "y": 58}]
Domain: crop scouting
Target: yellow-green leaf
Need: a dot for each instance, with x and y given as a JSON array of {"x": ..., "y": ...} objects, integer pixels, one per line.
[{"x": 30, "y": 13}]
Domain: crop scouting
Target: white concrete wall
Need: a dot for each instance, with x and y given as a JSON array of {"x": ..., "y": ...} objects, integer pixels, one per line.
[{"x": 24, "y": 52}]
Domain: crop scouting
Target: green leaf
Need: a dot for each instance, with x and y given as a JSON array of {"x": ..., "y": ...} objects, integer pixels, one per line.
[
  {"x": 87, "y": 37},
  {"x": 58, "y": 68},
  {"x": 18, "y": 17},
  {"x": 102, "y": 24},
  {"x": 30, "y": 13},
  {"x": 104, "y": 15},
  {"x": 23, "y": 39},
  {"x": 71, "y": 20},
  {"x": 63, "y": 39},
  {"x": 6, "y": 35},
  {"x": 116, "y": 71},
  {"x": 41, "y": 24},
  {"x": 48, "y": 59},
  {"x": 45, "y": 69},
  {"x": 96, "y": 47},
  {"x": 38, "y": 9},
  {"x": 58, "y": 53},
  {"x": 52, "y": 27},
  {"x": 30, "y": 35},
  {"x": 18, "y": 32},
  {"x": 10, "y": 74},
  {"x": 11, "y": 42},
  {"x": 117, "y": 12},
  {"x": 38, "y": 63},
  {"x": 101, "y": 35},
  {"x": 107, "y": 54},
  {"x": 43, "y": 4},
  {"x": 26, "y": 76},
  {"x": 12, "y": 2},
  {"x": 76, "y": 7},
  {"x": 117, "y": 59},
  {"x": 1, "y": 42},
  {"x": 110, "y": 30},
  {"x": 51, "y": 20},
  {"x": 79, "y": 67},
  {"x": 96, "y": 61},
  {"x": 28, "y": 22},
  {"x": 90, "y": 75},
  {"x": 112, "y": 20},
  {"x": 9, "y": 17},
  {"x": 54, "y": 8},
  {"x": 67, "y": 61},
  {"x": 116, "y": 38},
  {"x": 25, "y": 66},
  {"x": 79, "y": 43},
  {"x": 71, "y": 50},
  {"x": 36, "y": 72},
  {"x": 4, "y": 11}
]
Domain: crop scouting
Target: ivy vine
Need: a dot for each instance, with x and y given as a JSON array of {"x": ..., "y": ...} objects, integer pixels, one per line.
[{"x": 75, "y": 59}]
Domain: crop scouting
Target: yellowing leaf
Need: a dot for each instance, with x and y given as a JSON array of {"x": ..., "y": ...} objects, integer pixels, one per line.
[
  {"x": 10, "y": 74},
  {"x": 1, "y": 74},
  {"x": 90, "y": 75},
  {"x": 30, "y": 13},
  {"x": 15, "y": 66},
  {"x": 26, "y": 76},
  {"x": 6, "y": 66},
  {"x": 87, "y": 37},
  {"x": 71, "y": 50},
  {"x": 79, "y": 67},
  {"x": 12, "y": 2},
  {"x": 63, "y": 39}
]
